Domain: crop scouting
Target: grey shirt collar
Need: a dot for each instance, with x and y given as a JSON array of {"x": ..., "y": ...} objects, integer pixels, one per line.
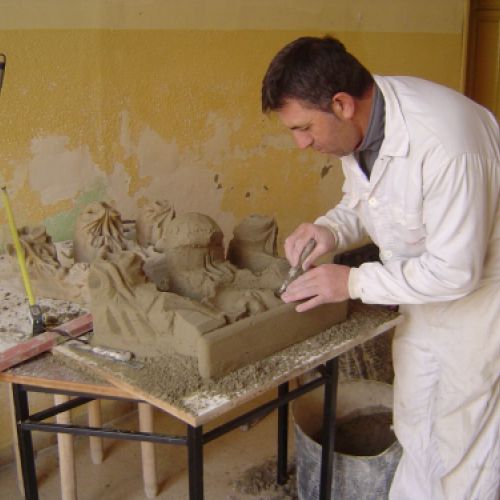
[{"x": 368, "y": 150}]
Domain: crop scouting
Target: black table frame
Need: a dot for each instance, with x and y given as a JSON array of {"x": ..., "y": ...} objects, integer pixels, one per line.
[{"x": 195, "y": 437}]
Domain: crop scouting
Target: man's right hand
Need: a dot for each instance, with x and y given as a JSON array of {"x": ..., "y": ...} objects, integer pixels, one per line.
[{"x": 295, "y": 243}]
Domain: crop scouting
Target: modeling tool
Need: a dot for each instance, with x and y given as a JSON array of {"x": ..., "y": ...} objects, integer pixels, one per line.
[
  {"x": 115, "y": 355},
  {"x": 297, "y": 270},
  {"x": 34, "y": 308},
  {"x": 107, "y": 352}
]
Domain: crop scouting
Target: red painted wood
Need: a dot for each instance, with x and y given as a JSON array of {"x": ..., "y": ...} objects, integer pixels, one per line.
[
  {"x": 43, "y": 342},
  {"x": 27, "y": 349},
  {"x": 77, "y": 326}
]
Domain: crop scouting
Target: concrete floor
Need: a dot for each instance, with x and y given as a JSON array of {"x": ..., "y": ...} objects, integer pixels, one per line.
[{"x": 119, "y": 477}]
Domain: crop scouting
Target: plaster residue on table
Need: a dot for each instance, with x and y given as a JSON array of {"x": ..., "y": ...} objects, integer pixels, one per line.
[
  {"x": 9, "y": 339},
  {"x": 173, "y": 382},
  {"x": 15, "y": 319},
  {"x": 46, "y": 366}
]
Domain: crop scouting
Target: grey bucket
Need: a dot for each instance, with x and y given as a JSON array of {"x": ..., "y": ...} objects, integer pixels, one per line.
[{"x": 355, "y": 477}]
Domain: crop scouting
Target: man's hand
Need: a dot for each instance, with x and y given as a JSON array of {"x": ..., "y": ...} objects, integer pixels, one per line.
[
  {"x": 323, "y": 284},
  {"x": 295, "y": 243}
]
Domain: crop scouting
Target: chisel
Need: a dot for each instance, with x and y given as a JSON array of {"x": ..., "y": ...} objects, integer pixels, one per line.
[{"x": 297, "y": 270}]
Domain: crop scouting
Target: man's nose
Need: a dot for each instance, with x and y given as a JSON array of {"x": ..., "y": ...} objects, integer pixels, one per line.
[{"x": 302, "y": 139}]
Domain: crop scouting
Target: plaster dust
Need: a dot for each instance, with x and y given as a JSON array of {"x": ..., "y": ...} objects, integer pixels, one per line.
[
  {"x": 58, "y": 367},
  {"x": 14, "y": 311},
  {"x": 16, "y": 325},
  {"x": 175, "y": 380},
  {"x": 261, "y": 480}
]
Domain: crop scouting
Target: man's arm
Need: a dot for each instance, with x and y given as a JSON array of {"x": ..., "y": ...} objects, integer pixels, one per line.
[
  {"x": 344, "y": 223},
  {"x": 336, "y": 230},
  {"x": 459, "y": 210}
]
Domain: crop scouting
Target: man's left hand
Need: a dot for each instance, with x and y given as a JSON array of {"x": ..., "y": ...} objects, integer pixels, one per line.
[{"x": 321, "y": 285}]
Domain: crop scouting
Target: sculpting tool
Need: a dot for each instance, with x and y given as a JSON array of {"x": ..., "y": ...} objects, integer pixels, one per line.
[
  {"x": 115, "y": 355},
  {"x": 107, "y": 352},
  {"x": 296, "y": 271},
  {"x": 34, "y": 309}
]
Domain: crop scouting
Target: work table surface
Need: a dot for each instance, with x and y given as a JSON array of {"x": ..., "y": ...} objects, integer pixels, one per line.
[{"x": 169, "y": 383}]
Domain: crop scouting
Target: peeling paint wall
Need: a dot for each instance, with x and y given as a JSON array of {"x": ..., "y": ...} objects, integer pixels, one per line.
[{"x": 128, "y": 101}]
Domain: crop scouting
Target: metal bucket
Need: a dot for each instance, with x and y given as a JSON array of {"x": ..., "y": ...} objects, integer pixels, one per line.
[{"x": 368, "y": 450}]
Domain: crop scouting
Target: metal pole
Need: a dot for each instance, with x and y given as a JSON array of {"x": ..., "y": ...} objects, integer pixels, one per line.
[
  {"x": 282, "y": 467},
  {"x": 195, "y": 454},
  {"x": 20, "y": 397},
  {"x": 329, "y": 410}
]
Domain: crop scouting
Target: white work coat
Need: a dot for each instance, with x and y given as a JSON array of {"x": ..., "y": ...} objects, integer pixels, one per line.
[{"x": 431, "y": 205}]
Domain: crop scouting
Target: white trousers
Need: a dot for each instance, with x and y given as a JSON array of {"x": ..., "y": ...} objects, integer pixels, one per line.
[{"x": 447, "y": 399}]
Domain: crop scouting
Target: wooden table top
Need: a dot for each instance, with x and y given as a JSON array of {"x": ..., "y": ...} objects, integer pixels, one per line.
[
  {"x": 91, "y": 375},
  {"x": 51, "y": 372}
]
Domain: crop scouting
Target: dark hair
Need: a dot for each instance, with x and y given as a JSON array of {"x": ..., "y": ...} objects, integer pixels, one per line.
[{"x": 313, "y": 70}]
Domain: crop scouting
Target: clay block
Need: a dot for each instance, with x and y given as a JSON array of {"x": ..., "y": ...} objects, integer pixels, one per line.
[
  {"x": 189, "y": 326},
  {"x": 251, "y": 339}
]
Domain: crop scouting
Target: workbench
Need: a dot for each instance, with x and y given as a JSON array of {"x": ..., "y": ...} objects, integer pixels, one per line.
[{"x": 201, "y": 406}]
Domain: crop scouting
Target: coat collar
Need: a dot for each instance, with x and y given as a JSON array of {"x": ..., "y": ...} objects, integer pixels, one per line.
[{"x": 397, "y": 139}]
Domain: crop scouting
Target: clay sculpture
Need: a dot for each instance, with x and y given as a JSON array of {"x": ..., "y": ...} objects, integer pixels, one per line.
[{"x": 173, "y": 289}]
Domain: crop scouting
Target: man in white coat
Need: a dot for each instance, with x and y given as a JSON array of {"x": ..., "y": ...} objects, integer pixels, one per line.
[{"x": 422, "y": 179}]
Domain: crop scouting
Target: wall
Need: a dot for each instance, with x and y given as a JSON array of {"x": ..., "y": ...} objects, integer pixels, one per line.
[
  {"x": 128, "y": 101},
  {"x": 132, "y": 100}
]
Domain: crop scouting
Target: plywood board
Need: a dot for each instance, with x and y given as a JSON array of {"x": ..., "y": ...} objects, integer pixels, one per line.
[
  {"x": 51, "y": 372},
  {"x": 172, "y": 383}
]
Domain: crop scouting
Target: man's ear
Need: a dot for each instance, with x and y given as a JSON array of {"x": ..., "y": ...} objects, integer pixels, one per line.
[{"x": 343, "y": 106}]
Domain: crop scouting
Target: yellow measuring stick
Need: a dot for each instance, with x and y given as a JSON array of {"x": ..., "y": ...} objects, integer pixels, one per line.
[{"x": 19, "y": 249}]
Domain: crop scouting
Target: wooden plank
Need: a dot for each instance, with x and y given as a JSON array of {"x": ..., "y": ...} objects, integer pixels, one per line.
[
  {"x": 15, "y": 443},
  {"x": 97, "y": 364},
  {"x": 27, "y": 349},
  {"x": 199, "y": 406},
  {"x": 96, "y": 443},
  {"x": 46, "y": 383},
  {"x": 148, "y": 454},
  {"x": 66, "y": 452},
  {"x": 76, "y": 327},
  {"x": 49, "y": 372}
]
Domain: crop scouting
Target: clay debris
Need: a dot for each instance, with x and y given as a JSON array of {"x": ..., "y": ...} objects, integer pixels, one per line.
[
  {"x": 14, "y": 314},
  {"x": 261, "y": 480}
]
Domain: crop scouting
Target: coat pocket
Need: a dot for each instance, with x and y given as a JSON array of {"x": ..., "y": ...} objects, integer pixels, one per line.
[{"x": 408, "y": 225}]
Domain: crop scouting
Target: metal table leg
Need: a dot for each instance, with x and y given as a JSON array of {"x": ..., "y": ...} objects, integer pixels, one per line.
[
  {"x": 282, "y": 467},
  {"x": 329, "y": 410},
  {"x": 194, "y": 439},
  {"x": 27, "y": 457},
  {"x": 195, "y": 454}
]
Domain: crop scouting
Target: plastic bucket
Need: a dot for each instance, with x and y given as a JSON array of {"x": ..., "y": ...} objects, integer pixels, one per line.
[{"x": 368, "y": 452}]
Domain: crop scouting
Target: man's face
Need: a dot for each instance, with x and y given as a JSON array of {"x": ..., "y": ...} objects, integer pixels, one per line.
[{"x": 327, "y": 133}]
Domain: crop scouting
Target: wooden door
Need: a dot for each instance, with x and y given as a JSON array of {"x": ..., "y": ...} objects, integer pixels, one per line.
[{"x": 483, "y": 74}]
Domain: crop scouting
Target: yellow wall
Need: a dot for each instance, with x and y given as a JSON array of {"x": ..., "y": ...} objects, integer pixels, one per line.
[{"x": 129, "y": 101}]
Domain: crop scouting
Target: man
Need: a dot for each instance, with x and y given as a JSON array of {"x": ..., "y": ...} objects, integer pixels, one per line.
[{"x": 422, "y": 179}]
